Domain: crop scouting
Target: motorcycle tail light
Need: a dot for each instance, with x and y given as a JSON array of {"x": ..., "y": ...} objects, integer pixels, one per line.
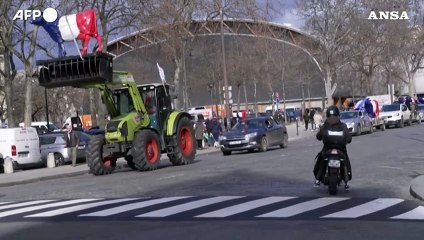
[{"x": 334, "y": 151}]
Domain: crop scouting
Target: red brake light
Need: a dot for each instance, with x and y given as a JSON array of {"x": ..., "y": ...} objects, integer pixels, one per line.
[{"x": 13, "y": 148}]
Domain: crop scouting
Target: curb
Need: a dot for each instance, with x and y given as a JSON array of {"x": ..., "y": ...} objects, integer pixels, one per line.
[
  {"x": 39, "y": 179},
  {"x": 71, "y": 174},
  {"x": 413, "y": 192}
]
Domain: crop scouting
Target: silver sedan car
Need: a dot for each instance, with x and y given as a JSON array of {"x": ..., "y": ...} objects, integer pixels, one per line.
[
  {"x": 55, "y": 143},
  {"x": 357, "y": 122}
]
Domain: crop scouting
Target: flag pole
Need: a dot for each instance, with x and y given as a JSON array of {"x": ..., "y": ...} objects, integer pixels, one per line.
[
  {"x": 162, "y": 77},
  {"x": 73, "y": 36}
]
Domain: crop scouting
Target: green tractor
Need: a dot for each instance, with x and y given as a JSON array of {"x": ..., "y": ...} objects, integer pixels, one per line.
[{"x": 143, "y": 122}]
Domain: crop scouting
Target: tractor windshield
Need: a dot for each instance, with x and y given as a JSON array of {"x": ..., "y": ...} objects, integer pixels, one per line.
[{"x": 123, "y": 100}]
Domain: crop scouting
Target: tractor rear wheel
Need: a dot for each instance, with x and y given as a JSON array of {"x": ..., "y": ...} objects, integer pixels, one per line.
[
  {"x": 97, "y": 164},
  {"x": 146, "y": 150},
  {"x": 185, "y": 150}
]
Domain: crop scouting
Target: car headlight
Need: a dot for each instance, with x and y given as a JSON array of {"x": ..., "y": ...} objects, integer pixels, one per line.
[
  {"x": 397, "y": 115},
  {"x": 250, "y": 135},
  {"x": 350, "y": 124},
  {"x": 222, "y": 138}
]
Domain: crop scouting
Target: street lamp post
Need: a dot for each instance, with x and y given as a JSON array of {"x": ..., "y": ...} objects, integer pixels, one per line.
[{"x": 224, "y": 65}]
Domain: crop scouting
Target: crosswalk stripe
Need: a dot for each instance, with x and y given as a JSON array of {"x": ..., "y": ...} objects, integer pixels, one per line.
[
  {"x": 2, "y": 203},
  {"x": 187, "y": 206},
  {"x": 62, "y": 211},
  {"x": 50, "y": 205},
  {"x": 24, "y": 204},
  {"x": 131, "y": 206},
  {"x": 243, "y": 207},
  {"x": 366, "y": 208},
  {"x": 414, "y": 214},
  {"x": 302, "y": 207}
]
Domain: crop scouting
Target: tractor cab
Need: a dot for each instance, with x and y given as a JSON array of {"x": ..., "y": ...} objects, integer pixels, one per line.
[{"x": 157, "y": 102}]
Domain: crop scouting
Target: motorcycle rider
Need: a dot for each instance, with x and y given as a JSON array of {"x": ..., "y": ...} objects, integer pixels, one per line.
[{"x": 334, "y": 134}]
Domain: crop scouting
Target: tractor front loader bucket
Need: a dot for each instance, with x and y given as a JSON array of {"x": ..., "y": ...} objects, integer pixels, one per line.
[{"x": 76, "y": 72}]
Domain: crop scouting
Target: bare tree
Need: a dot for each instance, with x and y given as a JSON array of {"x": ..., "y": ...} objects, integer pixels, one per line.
[
  {"x": 7, "y": 10},
  {"x": 329, "y": 22},
  {"x": 24, "y": 49}
]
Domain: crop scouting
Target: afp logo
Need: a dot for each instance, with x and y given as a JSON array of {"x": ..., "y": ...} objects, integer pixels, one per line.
[{"x": 49, "y": 14}]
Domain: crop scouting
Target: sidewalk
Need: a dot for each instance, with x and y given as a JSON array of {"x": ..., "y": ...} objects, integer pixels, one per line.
[
  {"x": 417, "y": 188},
  {"x": 40, "y": 174},
  {"x": 298, "y": 132}
]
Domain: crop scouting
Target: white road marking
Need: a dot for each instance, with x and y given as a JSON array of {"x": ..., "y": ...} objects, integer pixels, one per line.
[
  {"x": 50, "y": 205},
  {"x": 243, "y": 207},
  {"x": 62, "y": 211},
  {"x": 24, "y": 204},
  {"x": 366, "y": 208},
  {"x": 2, "y": 203},
  {"x": 415, "y": 214},
  {"x": 131, "y": 206},
  {"x": 187, "y": 206},
  {"x": 302, "y": 207}
]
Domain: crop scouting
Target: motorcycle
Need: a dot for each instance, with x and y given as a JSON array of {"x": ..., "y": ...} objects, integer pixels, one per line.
[{"x": 335, "y": 171}]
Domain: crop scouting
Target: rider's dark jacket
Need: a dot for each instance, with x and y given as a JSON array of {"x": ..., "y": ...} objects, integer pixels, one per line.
[{"x": 334, "y": 134}]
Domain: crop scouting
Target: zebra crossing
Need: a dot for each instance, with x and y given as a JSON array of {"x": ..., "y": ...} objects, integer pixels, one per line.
[{"x": 213, "y": 208}]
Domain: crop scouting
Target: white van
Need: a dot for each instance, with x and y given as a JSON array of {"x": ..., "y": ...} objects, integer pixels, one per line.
[
  {"x": 41, "y": 127},
  {"x": 22, "y": 145}
]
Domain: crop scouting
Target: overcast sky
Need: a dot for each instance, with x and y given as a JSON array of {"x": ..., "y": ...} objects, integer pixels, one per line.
[{"x": 288, "y": 13}]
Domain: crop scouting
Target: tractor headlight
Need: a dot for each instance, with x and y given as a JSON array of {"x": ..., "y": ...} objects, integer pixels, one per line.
[
  {"x": 112, "y": 126},
  {"x": 250, "y": 135}
]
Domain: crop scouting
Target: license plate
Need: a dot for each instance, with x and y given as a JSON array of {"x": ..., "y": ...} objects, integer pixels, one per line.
[
  {"x": 334, "y": 163},
  {"x": 22, "y": 154},
  {"x": 235, "y": 142},
  {"x": 81, "y": 147}
]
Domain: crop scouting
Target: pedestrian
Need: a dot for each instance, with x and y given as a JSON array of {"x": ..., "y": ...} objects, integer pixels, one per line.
[
  {"x": 318, "y": 119},
  {"x": 311, "y": 119},
  {"x": 413, "y": 109},
  {"x": 306, "y": 119},
  {"x": 216, "y": 131},
  {"x": 208, "y": 125},
  {"x": 199, "y": 130},
  {"x": 72, "y": 142}
]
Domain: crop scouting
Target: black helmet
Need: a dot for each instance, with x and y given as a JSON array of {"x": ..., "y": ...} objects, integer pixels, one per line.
[{"x": 333, "y": 111}]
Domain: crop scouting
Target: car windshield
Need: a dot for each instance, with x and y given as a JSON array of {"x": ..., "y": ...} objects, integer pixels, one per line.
[
  {"x": 249, "y": 124},
  {"x": 348, "y": 115},
  {"x": 390, "y": 108}
]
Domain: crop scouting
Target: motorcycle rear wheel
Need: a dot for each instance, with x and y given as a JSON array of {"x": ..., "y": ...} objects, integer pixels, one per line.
[{"x": 332, "y": 184}]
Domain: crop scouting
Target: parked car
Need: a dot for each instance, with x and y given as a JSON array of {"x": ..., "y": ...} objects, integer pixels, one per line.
[
  {"x": 55, "y": 143},
  {"x": 21, "y": 145},
  {"x": 396, "y": 114},
  {"x": 357, "y": 122},
  {"x": 254, "y": 133}
]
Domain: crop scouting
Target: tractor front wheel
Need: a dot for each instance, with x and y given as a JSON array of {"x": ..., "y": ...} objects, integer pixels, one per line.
[
  {"x": 185, "y": 149},
  {"x": 97, "y": 164},
  {"x": 146, "y": 150}
]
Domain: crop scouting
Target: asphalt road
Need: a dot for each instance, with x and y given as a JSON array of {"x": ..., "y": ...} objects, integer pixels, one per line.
[{"x": 248, "y": 185}]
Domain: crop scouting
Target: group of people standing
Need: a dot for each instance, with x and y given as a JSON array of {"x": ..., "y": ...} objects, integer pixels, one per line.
[
  {"x": 207, "y": 131},
  {"x": 314, "y": 117}
]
